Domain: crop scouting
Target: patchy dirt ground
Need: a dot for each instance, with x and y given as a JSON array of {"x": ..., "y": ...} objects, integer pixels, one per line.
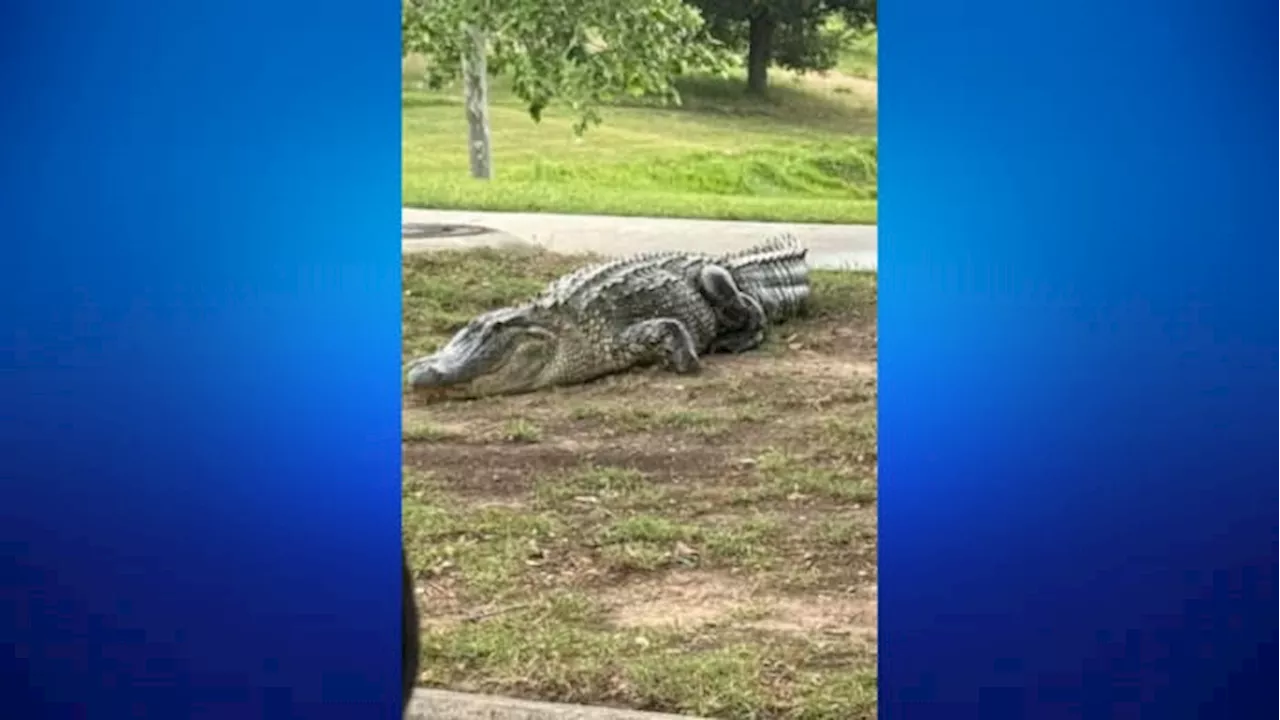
[{"x": 700, "y": 544}]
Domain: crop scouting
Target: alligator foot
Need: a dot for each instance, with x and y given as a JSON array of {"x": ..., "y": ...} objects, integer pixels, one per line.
[
  {"x": 737, "y": 342},
  {"x": 664, "y": 340},
  {"x": 741, "y": 319}
]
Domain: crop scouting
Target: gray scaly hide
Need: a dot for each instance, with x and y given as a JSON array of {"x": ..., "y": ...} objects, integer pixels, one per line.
[{"x": 669, "y": 308}]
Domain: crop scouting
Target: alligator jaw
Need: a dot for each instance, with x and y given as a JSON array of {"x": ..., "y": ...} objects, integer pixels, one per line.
[{"x": 434, "y": 377}]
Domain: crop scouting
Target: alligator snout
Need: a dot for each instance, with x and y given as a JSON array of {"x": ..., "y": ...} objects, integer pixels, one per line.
[{"x": 425, "y": 374}]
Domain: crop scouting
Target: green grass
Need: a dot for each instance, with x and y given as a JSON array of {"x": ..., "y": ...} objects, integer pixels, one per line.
[
  {"x": 520, "y": 430},
  {"x": 418, "y": 430},
  {"x": 534, "y": 620},
  {"x": 859, "y": 55},
  {"x": 652, "y": 669},
  {"x": 803, "y": 155},
  {"x": 443, "y": 290}
]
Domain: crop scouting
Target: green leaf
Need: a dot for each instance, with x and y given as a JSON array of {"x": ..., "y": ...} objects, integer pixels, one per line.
[{"x": 579, "y": 53}]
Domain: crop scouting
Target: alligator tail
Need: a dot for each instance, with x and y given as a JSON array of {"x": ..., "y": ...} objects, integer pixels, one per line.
[{"x": 776, "y": 273}]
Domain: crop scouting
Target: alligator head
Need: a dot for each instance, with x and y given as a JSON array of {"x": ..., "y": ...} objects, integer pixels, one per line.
[{"x": 501, "y": 352}]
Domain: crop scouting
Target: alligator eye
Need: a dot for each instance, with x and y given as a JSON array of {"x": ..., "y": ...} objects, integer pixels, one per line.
[{"x": 509, "y": 323}]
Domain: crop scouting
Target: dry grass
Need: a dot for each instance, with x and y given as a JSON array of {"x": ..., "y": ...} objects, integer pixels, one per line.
[{"x": 699, "y": 544}]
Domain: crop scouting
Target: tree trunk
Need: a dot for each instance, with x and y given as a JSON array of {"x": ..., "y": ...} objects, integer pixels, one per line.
[
  {"x": 760, "y": 53},
  {"x": 475, "y": 80}
]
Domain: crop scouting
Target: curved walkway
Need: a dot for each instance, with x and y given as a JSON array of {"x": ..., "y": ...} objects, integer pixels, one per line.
[{"x": 830, "y": 246}]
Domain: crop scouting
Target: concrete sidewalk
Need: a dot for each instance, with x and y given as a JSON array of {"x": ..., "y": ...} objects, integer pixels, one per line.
[
  {"x": 830, "y": 246},
  {"x": 445, "y": 705}
]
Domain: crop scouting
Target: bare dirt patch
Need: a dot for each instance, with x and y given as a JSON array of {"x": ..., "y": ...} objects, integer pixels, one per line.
[
  {"x": 697, "y": 600},
  {"x": 480, "y": 470},
  {"x": 700, "y": 544}
]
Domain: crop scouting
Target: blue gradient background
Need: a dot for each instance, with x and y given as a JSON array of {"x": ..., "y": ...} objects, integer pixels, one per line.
[
  {"x": 1078, "y": 255},
  {"x": 200, "y": 334}
]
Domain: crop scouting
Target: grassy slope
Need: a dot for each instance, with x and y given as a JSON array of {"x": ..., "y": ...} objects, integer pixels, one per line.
[
  {"x": 806, "y": 155},
  {"x": 699, "y": 544}
]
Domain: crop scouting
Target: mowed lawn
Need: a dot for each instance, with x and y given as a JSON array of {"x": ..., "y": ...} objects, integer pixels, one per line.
[
  {"x": 694, "y": 544},
  {"x": 807, "y": 154}
]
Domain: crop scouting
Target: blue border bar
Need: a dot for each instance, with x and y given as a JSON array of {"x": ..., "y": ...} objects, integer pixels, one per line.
[
  {"x": 199, "y": 403},
  {"x": 1078, "y": 360}
]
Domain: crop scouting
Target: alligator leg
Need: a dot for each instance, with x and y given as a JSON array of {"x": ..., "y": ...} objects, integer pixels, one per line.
[
  {"x": 664, "y": 340},
  {"x": 741, "y": 316}
]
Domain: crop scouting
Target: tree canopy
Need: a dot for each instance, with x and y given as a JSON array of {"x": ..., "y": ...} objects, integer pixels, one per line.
[
  {"x": 581, "y": 53},
  {"x": 787, "y": 32}
]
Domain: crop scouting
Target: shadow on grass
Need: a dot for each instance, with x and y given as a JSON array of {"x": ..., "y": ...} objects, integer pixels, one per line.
[{"x": 786, "y": 103}]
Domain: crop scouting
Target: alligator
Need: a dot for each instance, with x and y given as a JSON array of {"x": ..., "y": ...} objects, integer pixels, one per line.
[{"x": 667, "y": 308}]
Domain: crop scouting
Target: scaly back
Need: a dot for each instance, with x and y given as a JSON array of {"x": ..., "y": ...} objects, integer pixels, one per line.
[
  {"x": 775, "y": 272},
  {"x": 612, "y": 280}
]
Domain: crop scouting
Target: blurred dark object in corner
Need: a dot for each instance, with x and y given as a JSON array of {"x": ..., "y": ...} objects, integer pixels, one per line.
[{"x": 409, "y": 639}]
